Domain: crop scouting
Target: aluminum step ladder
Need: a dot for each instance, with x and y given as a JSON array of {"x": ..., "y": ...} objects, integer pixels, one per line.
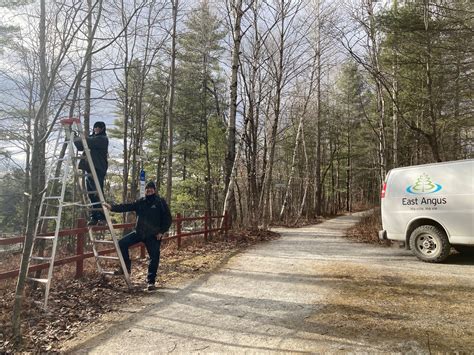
[{"x": 57, "y": 200}]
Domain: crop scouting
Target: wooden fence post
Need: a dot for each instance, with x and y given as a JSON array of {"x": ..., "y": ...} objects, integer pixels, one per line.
[
  {"x": 80, "y": 237},
  {"x": 206, "y": 226},
  {"x": 178, "y": 229}
]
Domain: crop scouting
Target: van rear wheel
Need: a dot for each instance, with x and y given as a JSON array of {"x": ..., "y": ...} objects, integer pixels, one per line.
[{"x": 430, "y": 244}]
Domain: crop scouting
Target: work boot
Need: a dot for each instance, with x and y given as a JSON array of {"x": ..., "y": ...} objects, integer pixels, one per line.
[{"x": 151, "y": 287}]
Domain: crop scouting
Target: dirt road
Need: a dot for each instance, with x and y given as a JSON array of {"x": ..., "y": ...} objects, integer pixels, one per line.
[{"x": 309, "y": 291}]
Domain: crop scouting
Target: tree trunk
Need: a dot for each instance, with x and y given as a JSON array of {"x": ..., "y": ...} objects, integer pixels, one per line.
[
  {"x": 318, "y": 185},
  {"x": 395, "y": 93},
  {"x": 37, "y": 175},
  {"x": 254, "y": 94},
  {"x": 231, "y": 139},
  {"x": 306, "y": 179},
  {"x": 299, "y": 135},
  {"x": 349, "y": 169},
  {"x": 126, "y": 111},
  {"x": 169, "y": 182},
  {"x": 87, "y": 89},
  {"x": 161, "y": 158},
  {"x": 267, "y": 185},
  {"x": 374, "y": 55},
  {"x": 433, "y": 138},
  {"x": 208, "y": 187}
]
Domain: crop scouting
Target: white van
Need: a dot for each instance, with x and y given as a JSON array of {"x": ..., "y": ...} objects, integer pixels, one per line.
[{"x": 430, "y": 208}]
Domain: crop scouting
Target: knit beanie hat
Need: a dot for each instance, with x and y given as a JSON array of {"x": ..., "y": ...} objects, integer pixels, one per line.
[
  {"x": 150, "y": 185},
  {"x": 99, "y": 124}
]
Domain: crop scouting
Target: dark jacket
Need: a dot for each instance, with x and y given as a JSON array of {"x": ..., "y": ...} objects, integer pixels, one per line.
[
  {"x": 98, "y": 145},
  {"x": 153, "y": 215}
]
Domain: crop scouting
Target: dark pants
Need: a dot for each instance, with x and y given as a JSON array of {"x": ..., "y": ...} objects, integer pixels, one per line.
[
  {"x": 152, "y": 247},
  {"x": 97, "y": 212}
]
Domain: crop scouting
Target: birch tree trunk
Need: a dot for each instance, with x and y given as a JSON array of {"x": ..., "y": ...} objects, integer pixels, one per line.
[
  {"x": 236, "y": 8},
  {"x": 169, "y": 182},
  {"x": 238, "y": 12}
]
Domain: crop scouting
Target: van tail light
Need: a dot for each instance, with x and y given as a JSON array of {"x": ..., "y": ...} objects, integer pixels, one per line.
[{"x": 384, "y": 187}]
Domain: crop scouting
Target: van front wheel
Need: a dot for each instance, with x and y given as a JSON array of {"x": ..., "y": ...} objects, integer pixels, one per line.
[{"x": 430, "y": 244}]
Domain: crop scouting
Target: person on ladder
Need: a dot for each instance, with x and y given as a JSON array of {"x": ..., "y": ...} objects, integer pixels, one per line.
[
  {"x": 98, "y": 143},
  {"x": 153, "y": 220}
]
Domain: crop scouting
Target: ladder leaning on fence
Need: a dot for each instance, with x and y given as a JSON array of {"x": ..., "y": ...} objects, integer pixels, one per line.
[{"x": 57, "y": 201}]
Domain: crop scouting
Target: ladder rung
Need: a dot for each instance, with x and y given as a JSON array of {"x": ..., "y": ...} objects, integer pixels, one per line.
[
  {"x": 107, "y": 272},
  {"x": 103, "y": 241},
  {"x": 69, "y": 204},
  {"x": 108, "y": 257},
  {"x": 41, "y": 258},
  {"x": 43, "y": 281},
  {"x": 45, "y": 237},
  {"x": 89, "y": 204},
  {"x": 48, "y": 217},
  {"x": 52, "y": 197}
]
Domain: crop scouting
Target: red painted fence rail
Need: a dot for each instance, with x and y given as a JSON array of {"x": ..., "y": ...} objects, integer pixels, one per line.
[{"x": 81, "y": 231}]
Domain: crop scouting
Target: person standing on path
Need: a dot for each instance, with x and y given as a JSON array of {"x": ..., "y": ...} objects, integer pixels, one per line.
[
  {"x": 98, "y": 143},
  {"x": 153, "y": 220}
]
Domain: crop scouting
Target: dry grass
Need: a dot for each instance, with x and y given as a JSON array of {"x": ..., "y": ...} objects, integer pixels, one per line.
[
  {"x": 366, "y": 231},
  {"x": 415, "y": 312}
]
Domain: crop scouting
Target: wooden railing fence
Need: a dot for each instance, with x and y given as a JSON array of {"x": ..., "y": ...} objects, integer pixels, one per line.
[{"x": 80, "y": 232}]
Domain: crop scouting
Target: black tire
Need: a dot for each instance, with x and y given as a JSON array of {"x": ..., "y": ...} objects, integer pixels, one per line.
[
  {"x": 464, "y": 249},
  {"x": 430, "y": 244}
]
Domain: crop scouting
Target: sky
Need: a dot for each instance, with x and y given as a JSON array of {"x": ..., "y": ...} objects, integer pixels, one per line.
[{"x": 103, "y": 109}]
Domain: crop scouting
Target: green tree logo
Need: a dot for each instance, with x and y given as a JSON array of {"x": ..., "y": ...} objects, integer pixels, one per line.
[{"x": 423, "y": 185}]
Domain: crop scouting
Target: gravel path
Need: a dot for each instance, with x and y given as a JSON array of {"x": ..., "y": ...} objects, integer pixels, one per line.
[{"x": 309, "y": 291}]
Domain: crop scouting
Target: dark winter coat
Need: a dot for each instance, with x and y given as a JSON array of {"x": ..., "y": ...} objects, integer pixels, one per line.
[
  {"x": 98, "y": 145},
  {"x": 153, "y": 215}
]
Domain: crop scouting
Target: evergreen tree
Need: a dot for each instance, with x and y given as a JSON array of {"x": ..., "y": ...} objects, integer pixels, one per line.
[
  {"x": 354, "y": 132},
  {"x": 199, "y": 129},
  {"x": 434, "y": 59},
  {"x": 11, "y": 201}
]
